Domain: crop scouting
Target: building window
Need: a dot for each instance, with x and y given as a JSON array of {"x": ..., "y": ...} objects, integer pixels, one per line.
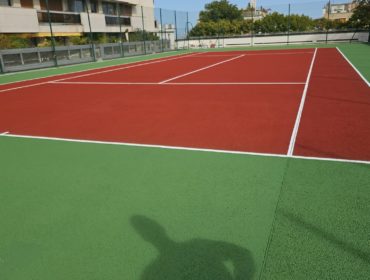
[
  {"x": 125, "y": 10},
  {"x": 5, "y": 3},
  {"x": 55, "y": 5},
  {"x": 27, "y": 3},
  {"x": 76, "y": 6},
  {"x": 109, "y": 8},
  {"x": 94, "y": 6}
]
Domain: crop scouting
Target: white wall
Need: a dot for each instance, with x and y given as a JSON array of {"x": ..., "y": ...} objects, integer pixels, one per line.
[
  {"x": 364, "y": 37},
  {"x": 13, "y": 20},
  {"x": 277, "y": 40},
  {"x": 136, "y": 19},
  {"x": 20, "y": 20},
  {"x": 97, "y": 22}
]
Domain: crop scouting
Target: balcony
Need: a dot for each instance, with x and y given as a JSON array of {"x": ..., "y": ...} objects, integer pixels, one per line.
[
  {"x": 116, "y": 21},
  {"x": 64, "y": 18}
]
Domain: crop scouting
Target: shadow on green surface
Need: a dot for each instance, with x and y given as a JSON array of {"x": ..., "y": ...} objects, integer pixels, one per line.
[
  {"x": 345, "y": 246},
  {"x": 196, "y": 259}
]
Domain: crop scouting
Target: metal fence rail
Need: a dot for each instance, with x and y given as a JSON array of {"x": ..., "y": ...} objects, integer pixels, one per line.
[
  {"x": 123, "y": 31},
  {"x": 282, "y": 38},
  {"x": 13, "y": 60}
]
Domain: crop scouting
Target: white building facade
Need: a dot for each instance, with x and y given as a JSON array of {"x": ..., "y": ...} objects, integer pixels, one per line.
[
  {"x": 75, "y": 17},
  {"x": 341, "y": 12}
]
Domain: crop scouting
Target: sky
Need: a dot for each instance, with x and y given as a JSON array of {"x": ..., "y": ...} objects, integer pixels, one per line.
[{"x": 312, "y": 8}]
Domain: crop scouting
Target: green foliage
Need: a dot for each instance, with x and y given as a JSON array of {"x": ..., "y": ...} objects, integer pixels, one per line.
[
  {"x": 222, "y": 27},
  {"x": 77, "y": 40},
  {"x": 300, "y": 23},
  {"x": 276, "y": 22},
  {"x": 272, "y": 23},
  {"x": 220, "y": 10},
  {"x": 138, "y": 36},
  {"x": 361, "y": 15},
  {"x": 325, "y": 24},
  {"x": 223, "y": 18},
  {"x": 102, "y": 38},
  {"x": 13, "y": 42},
  {"x": 220, "y": 18}
]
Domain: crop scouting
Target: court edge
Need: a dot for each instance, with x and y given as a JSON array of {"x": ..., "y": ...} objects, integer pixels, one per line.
[
  {"x": 354, "y": 67},
  {"x": 9, "y": 135},
  {"x": 92, "y": 63}
]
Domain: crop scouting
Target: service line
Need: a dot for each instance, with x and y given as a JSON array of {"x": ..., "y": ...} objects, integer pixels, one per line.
[
  {"x": 181, "y": 148},
  {"x": 179, "y": 84},
  {"x": 202, "y": 69}
]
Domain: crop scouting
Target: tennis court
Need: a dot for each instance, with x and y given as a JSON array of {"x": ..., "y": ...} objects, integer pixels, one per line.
[{"x": 255, "y": 163}]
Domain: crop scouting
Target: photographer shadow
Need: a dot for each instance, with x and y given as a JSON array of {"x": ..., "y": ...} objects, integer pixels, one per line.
[{"x": 196, "y": 259}]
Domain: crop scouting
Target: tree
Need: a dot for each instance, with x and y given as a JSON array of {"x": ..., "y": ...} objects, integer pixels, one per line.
[
  {"x": 361, "y": 15},
  {"x": 300, "y": 23},
  {"x": 13, "y": 42},
  {"x": 220, "y": 10}
]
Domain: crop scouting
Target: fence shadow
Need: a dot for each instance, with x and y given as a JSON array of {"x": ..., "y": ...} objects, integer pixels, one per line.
[{"x": 196, "y": 259}]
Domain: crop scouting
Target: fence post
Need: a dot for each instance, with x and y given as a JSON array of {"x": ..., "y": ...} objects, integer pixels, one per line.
[
  {"x": 187, "y": 29},
  {"x": 252, "y": 31},
  {"x": 51, "y": 34},
  {"x": 120, "y": 29},
  {"x": 142, "y": 19},
  {"x": 288, "y": 25},
  {"x": 88, "y": 5},
  {"x": 1, "y": 65},
  {"x": 161, "y": 23},
  {"x": 176, "y": 30},
  {"x": 327, "y": 29}
]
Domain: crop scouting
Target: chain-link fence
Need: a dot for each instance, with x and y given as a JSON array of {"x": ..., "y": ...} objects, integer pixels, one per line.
[
  {"x": 276, "y": 24},
  {"x": 91, "y": 30},
  {"x": 86, "y": 32}
]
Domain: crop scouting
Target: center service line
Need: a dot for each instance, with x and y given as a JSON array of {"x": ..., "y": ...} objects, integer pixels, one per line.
[{"x": 201, "y": 69}]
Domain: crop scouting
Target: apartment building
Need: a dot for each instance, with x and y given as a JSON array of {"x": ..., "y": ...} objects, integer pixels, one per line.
[
  {"x": 253, "y": 12},
  {"x": 339, "y": 12},
  {"x": 75, "y": 17}
]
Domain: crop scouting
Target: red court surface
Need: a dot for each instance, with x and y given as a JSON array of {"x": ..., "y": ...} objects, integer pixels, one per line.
[
  {"x": 336, "y": 117},
  {"x": 235, "y": 101},
  {"x": 247, "y": 118},
  {"x": 152, "y": 72},
  {"x": 287, "y": 66}
]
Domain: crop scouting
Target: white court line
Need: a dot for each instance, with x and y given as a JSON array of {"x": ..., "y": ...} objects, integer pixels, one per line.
[
  {"x": 180, "y": 148},
  {"x": 216, "y": 55},
  {"x": 129, "y": 65},
  {"x": 301, "y": 106},
  {"x": 201, "y": 69},
  {"x": 87, "y": 63},
  {"x": 103, "y": 83},
  {"x": 181, "y": 84},
  {"x": 238, "y": 83},
  {"x": 354, "y": 67},
  {"x": 20, "y": 87},
  {"x": 256, "y": 54},
  {"x": 4, "y": 133},
  {"x": 279, "y": 53}
]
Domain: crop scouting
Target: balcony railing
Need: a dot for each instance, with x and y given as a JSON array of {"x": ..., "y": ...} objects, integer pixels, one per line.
[
  {"x": 115, "y": 20},
  {"x": 59, "y": 17}
]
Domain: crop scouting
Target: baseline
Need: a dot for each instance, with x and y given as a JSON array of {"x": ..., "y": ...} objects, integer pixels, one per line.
[{"x": 9, "y": 135}]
